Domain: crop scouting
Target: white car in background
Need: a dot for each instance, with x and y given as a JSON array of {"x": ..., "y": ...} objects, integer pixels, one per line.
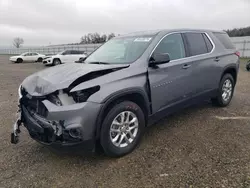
[
  {"x": 28, "y": 57},
  {"x": 67, "y": 56}
]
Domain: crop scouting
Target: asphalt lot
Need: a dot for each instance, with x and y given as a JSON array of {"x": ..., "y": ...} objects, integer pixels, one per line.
[{"x": 197, "y": 147}]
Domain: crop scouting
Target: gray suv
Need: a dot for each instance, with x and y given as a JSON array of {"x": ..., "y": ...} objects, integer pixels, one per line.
[{"x": 125, "y": 85}]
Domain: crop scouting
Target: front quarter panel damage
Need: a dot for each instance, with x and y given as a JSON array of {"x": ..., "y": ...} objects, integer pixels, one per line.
[{"x": 78, "y": 115}]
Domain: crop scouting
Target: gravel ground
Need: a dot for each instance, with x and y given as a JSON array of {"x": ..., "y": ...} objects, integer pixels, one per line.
[{"x": 193, "y": 148}]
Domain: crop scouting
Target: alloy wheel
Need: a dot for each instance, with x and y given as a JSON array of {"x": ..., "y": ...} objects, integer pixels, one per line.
[
  {"x": 227, "y": 89},
  {"x": 124, "y": 129}
]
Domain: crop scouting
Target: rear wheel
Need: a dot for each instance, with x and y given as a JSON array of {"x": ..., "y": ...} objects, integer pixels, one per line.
[
  {"x": 122, "y": 129},
  {"x": 56, "y": 62},
  {"x": 19, "y": 60},
  {"x": 225, "y": 92},
  {"x": 39, "y": 59}
]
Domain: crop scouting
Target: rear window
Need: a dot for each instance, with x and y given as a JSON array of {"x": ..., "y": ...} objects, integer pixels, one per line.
[
  {"x": 196, "y": 43},
  {"x": 225, "y": 40},
  {"x": 208, "y": 43}
]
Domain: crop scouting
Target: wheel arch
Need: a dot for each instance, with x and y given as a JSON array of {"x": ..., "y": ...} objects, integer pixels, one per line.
[
  {"x": 19, "y": 58},
  {"x": 137, "y": 96},
  {"x": 231, "y": 69},
  {"x": 56, "y": 58}
]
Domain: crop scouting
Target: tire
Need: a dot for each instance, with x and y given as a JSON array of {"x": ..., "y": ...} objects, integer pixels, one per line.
[
  {"x": 39, "y": 59},
  {"x": 224, "y": 97},
  {"x": 19, "y": 60},
  {"x": 113, "y": 148},
  {"x": 248, "y": 66},
  {"x": 56, "y": 62}
]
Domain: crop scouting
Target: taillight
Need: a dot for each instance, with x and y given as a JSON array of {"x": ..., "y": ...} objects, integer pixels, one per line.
[{"x": 237, "y": 53}]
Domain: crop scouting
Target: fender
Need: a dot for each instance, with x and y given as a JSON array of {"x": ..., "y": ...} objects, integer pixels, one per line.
[
  {"x": 230, "y": 66},
  {"x": 108, "y": 100}
]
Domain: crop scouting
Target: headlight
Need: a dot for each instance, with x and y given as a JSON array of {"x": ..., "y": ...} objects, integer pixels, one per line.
[
  {"x": 19, "y": 92},
  {"x": 83, "y": 95}
]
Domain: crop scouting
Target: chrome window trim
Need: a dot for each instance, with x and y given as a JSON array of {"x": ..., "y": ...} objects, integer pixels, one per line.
[{"x": 183, "y": 32}]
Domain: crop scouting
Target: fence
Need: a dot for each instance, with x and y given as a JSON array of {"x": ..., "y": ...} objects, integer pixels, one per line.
[
  {"x": 242, "y": 45},
  {"x": 49, "y": 50}
]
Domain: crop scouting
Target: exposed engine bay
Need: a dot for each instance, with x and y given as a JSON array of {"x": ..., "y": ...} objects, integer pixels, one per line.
[{"x": 36, "y": 109}]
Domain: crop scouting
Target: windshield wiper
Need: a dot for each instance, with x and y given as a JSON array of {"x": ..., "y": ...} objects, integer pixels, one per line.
[{"x": 99, "y": 62}]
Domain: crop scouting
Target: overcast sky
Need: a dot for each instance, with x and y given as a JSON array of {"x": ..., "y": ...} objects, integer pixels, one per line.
[{"x": 43, "y": 22}]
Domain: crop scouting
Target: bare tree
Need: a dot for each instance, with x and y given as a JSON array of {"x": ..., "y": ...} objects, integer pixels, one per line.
[
  {"x": 238, "y": 32},
  {"x": 111, "y": 35},
  {"x": 94, "y": 38},
  {"x": 17, "y": 42}
]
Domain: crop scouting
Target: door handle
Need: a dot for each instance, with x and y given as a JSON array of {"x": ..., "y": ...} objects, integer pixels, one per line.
[
  {"x": 186, "y": 66},
  {"x": 217, "y": 59}
]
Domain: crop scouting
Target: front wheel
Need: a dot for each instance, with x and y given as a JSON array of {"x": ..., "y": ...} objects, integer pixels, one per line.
[
  {"x": 56, "y": 62},
  {"x": 248, "y": 66},
  {"x": 225, "y": 92},
  {"x": 122, "y": 129},
  {"x": 19, "y": 60}
]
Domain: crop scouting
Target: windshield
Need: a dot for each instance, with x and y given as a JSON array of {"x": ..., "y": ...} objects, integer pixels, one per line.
[
  {"x": 120, "y": 50},
  {"x": 23, "y": 54}
]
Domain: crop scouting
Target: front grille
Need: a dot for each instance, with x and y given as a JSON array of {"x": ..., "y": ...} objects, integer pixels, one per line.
[
  {"x": 36, "y": 105},
  {"x": 33, "y": 104}
]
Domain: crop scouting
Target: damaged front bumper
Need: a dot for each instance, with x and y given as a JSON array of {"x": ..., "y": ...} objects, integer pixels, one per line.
[
  {"x": 16, "y": 129},
  {"x": 64, "y": 126}
]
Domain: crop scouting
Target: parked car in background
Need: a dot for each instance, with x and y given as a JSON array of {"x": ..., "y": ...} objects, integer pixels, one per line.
[
  {"x": 27, "y": 57},
  {"x": 128, "y": 83},
  {"x": 67, "y": 56}
]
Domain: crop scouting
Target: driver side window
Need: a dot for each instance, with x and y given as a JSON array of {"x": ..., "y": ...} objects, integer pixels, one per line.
[
  {"x": 66, "y": 52},
  {"x": 173, "y": 45}
]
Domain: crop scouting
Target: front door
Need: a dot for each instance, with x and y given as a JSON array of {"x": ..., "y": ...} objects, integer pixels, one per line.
[
  {"x": 170, "y": 82},
  {"x": 34, "y": 57},
  {"x": 75, "y": 56}
]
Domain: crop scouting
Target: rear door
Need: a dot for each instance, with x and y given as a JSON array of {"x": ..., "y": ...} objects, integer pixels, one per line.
[
  {"x": 34, "y": 56},
  {"x": 170, "y": 82},
  {"x": 65, "y": 57},
  {"x": 200, "y": 48}
]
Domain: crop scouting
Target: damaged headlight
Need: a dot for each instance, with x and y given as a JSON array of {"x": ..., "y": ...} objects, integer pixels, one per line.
[{"x": 83, "y": 95}]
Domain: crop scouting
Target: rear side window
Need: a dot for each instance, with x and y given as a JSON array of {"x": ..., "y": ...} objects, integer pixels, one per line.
[
  {"x": 208, "y": 43},
  {"x": 74, "y": 52},
  {"x": 196, "y": 43},
  {"x": 65, "y": 52},
  {"x": 225, "y": 40}
]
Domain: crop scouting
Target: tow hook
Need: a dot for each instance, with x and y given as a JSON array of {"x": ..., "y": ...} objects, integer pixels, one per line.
[{"x": 16, "y": 131}]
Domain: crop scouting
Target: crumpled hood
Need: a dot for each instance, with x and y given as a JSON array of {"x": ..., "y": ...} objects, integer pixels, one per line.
[{"x": 61, "y": 77}]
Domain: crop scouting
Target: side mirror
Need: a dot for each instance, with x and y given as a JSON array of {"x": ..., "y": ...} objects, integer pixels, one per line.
[
  {"x": 81, "y": 60},
  {"x": 159, "y": 58}
]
